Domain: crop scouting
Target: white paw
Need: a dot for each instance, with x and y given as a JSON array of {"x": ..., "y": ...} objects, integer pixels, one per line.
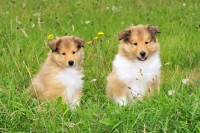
[
  {"x": 73, "y": 105},
  {"x": 122, "y": 101}
]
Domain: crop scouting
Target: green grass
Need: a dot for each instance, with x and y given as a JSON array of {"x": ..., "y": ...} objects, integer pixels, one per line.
[{"x": 21, "y": 57}]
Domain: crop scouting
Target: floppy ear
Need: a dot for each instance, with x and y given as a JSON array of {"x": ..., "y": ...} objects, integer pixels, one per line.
[
  {"x": 54, "y": 44},
  {"x": 80, "y": 42},
  {"x": 153, "y": 31},
  {"x": 124, "y": 34}
]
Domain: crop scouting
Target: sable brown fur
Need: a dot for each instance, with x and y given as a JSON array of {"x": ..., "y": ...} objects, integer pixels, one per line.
[
  {"x": 133, "y": 41},
  {"x": 46, "y": 84}
]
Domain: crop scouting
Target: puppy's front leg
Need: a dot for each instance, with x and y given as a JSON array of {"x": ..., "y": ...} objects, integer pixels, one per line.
[
  {"x": 75, "y": 99},
  {"x": 117, "y": 90},
  {"x": 122, "y": 101}
]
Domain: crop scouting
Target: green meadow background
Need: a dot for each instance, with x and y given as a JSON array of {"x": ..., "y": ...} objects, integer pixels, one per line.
[{"x": 24, "y": 28}]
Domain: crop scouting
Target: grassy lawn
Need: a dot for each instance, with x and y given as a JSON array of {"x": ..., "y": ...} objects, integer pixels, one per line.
[{"x": 24, "y": 27}]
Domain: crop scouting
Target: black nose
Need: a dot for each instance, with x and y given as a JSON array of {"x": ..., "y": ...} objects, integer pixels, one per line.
[
  {"x": 71, "y": 63},
  {"x": 143, "y": 53}
]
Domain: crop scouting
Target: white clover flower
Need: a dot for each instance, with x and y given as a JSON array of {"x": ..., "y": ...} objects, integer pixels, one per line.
[
  {"x": 170, "y": 92},
  {"x": 114, "y": 8},
  {"x": 185, "y": 81}
]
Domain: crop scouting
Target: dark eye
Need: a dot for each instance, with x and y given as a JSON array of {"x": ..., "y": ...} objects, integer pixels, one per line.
[
  {"x": 135, "y": 44},
  {"x": 73, "y": 52},
  {"x": 63, "y": 53},
  {"x": 146, "y": 42}
]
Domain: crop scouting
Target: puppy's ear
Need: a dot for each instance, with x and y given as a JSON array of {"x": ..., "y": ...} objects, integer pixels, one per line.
[
  {"x": 124, "y": 34},
  {"x": 54, "y": 44},
  {"x": 153, "y": 31},
  {"x": 80, "y": 42}
]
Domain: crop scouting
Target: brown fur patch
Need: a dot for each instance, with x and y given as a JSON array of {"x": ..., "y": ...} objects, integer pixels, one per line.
[{"x": 115, "y": 86}]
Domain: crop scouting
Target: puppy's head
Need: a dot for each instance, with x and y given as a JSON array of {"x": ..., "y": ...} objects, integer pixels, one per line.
[
  {"x": 138, "y": 42},
  {"x": 67, "y": 51}
]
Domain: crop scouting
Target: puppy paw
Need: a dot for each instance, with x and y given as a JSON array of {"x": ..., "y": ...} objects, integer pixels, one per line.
[
  {"x": 73, "y": 105},
  {"x": 122, "y": 101}
]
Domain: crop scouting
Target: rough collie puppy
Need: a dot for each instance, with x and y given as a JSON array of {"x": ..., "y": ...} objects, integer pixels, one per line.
[
  {"x": 61, "y": 74},
  {"x": 136, "y": 67}
]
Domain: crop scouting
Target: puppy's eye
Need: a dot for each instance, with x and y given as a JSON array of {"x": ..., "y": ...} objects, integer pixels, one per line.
[
  {"x": 146, "y": 42},
  {"x": 63, "y": 53},
  {"x": 73, "y": 52},
  {"x": 135, "y": 44}
]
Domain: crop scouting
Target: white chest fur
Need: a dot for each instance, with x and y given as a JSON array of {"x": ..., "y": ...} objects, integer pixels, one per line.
[
  {"x": 71, "y": 78},
  {"x": 135, "y": 74}
]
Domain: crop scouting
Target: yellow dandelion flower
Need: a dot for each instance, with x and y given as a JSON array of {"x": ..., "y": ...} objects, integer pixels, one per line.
[
  {"x": 50, "y": 36},
  {"x": 100, "y": 33},
  {"x": 96, "y": 37},
  {"x": 89, "y": 42}
]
